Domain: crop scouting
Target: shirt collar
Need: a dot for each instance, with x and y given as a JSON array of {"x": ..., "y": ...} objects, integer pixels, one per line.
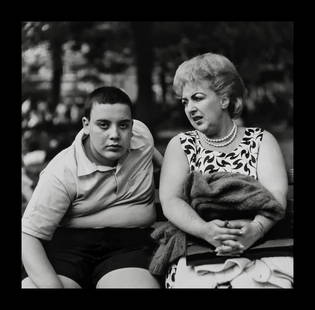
[{"x": 85, "y": 166}]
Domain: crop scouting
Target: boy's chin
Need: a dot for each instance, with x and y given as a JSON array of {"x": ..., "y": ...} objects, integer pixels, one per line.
[{"x": 114, "y": 156}]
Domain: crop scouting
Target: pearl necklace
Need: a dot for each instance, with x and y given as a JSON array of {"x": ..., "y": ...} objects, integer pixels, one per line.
[
  {"x": 224, "y": 138},
  {"x": 227, "y": 139}
]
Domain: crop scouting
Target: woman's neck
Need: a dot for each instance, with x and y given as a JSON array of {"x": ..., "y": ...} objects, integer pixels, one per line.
[{"x": 224, "y": 128}]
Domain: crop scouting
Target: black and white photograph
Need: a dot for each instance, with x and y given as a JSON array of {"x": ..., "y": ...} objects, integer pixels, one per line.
[{"x": 157, "y": 155}]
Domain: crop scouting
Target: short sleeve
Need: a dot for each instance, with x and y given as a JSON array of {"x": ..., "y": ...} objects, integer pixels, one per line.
[{"x": 46, "y": 208}]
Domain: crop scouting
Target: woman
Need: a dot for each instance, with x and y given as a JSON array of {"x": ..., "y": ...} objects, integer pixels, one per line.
[{"x": 212, "y": 94}]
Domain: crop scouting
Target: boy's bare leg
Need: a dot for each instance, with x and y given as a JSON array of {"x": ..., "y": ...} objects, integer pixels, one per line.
[
  {"x": 66, "y": 282},
  {"x": 128, "y": 278}
]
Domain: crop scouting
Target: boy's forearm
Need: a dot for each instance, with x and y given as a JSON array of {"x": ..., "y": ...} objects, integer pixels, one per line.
[{"x": 37, "y": 265}]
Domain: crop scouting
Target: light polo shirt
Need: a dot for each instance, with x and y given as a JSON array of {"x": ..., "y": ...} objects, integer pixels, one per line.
[{"x": 72, "y": 186}]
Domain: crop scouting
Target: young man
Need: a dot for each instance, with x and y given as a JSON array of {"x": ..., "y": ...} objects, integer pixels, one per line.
[{"x": 87, "y": 223}]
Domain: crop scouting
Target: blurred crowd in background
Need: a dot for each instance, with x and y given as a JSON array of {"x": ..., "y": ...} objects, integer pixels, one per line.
[{"x": 63, "y": 61}]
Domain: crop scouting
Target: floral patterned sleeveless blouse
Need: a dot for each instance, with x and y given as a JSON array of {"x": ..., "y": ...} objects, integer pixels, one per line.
[{"x": 243, "y": 159}]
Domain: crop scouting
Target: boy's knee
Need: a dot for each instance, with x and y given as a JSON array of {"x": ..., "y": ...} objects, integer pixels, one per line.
[
  {"x": 68, "y": 283},
  {"x": 128, "y": 278},
  {"x": 28, "y": 283}
]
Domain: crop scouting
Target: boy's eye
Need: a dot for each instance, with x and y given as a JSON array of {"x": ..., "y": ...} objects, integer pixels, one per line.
[
  {"x": 103, "y": 125},
  {"x": 124, "y": 126}
]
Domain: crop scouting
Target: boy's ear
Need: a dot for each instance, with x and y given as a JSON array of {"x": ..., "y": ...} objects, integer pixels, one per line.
[{"x": 85, "y": 123}]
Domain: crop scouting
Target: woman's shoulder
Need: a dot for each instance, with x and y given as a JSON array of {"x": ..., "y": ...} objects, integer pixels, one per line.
[
  {"x": 268, "y": 138},
  {"x": 188, "y": 136},
  {"x": 254, "y": 130},
  {"x": 189, "y": 133},
  {"x": 183, "y": 140},
  {"x": 253, "y": 133},
  {"x": 261, "y": 137}
]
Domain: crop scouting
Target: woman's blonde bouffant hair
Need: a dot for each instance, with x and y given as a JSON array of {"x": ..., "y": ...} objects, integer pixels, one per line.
[{"x": 222, "y": 75}]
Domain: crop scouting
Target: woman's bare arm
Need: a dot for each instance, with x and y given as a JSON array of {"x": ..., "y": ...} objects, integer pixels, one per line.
[
  {"x": 272, "y": 174},
  {"x": 175, "y": 170}
]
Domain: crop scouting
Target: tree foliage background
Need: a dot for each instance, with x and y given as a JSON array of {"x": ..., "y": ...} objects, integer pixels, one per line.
[{"x": 63, "y": 61}]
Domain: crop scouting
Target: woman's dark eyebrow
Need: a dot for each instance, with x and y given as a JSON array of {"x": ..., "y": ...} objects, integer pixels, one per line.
[{"x": 193, "y": 94}]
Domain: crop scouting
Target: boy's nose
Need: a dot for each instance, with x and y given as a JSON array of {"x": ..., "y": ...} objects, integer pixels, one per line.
[{"x": 114, "y": 133}]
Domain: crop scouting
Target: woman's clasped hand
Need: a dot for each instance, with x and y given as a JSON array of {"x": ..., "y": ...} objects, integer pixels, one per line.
[{"x": 232, "y": 238}]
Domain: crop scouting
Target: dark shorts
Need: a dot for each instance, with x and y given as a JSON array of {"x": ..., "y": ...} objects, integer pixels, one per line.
[{"x": 85, "y": 255}]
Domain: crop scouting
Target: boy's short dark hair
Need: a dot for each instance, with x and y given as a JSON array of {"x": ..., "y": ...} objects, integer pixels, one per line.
[{"x": 106, "y": 94}]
